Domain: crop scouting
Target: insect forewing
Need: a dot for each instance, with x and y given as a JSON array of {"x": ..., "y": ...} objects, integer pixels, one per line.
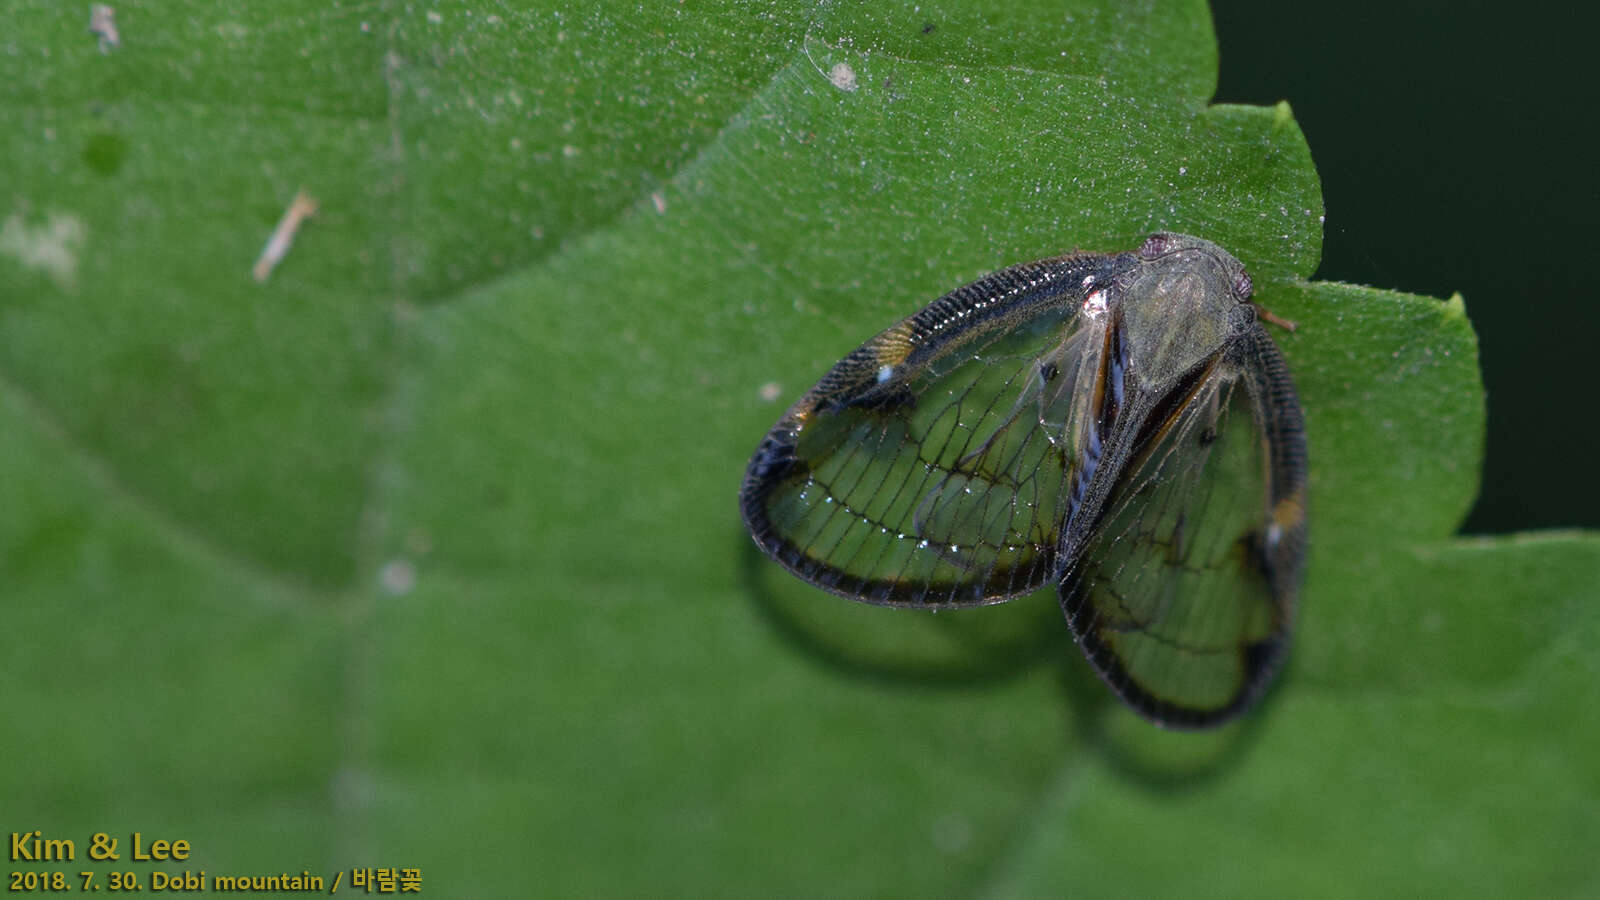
[
  {"x": 1178, "y": 599},
  {"x": 932, "y": 465}
]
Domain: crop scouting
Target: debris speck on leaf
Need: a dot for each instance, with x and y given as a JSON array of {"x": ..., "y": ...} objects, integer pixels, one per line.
[
  {"x": 399, "y": 576},
  {"x": 102, "y": 24},
  {"x": 52, "y": 247},
  {"x": 842, "y": 76},
  {"x": 302, "y": 207}
]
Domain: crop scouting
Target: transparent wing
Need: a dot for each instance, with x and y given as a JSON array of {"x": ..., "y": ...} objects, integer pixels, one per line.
[
  {"x": 1183, "y": 595},
  {"x": 930, "y": 467}
]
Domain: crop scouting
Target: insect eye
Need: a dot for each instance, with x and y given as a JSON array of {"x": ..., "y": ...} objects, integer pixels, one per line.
[
  {"x": 1156, "y": 245},
  {"x": 1243, "y": 287}
]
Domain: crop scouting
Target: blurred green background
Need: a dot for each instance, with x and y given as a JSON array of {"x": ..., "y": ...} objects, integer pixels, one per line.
[
  {"x": 1456, "y": 149},
  {"x": 424, "y": 552}
]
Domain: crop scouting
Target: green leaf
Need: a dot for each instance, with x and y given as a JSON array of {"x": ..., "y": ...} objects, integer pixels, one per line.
[{"x": 424, "y": 552}]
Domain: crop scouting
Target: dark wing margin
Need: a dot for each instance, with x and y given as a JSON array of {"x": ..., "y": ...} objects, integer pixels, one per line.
[
  {"x": 930, "y": 467},
  {"x": 1184, "y": 598}
]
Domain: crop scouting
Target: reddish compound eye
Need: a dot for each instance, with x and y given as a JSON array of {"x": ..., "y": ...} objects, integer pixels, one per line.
[
  {"x": 1243, "y": 287},
  {"x": 1157, "y": 245}
]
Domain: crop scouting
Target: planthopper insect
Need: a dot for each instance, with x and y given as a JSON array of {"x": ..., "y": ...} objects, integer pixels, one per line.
[{"x": 1119, "y": 426}]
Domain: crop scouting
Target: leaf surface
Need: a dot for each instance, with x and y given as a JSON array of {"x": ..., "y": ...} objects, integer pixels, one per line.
[{"x": 425, "y": 552}]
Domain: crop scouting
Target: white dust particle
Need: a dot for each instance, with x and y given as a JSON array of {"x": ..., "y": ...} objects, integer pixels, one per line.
[
  {"x": 842, "y": 76},
  {"x": 660, "y": 201},
  {"x": 569, "y": 151},
  {"x": 434, "y": 18},
  {"x": 399, "y": 576},
  {"x": 102, "y": 24},
  {"x": 301, "y": 208},
  {"x": 770, "y": 392},
  {"x": 52, "y": 247}
]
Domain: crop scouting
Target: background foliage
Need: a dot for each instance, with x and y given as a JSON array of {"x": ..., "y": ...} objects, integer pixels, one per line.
[
  {"x": 424, "y": 553},
  {"x": 1443, "y": 177}
]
